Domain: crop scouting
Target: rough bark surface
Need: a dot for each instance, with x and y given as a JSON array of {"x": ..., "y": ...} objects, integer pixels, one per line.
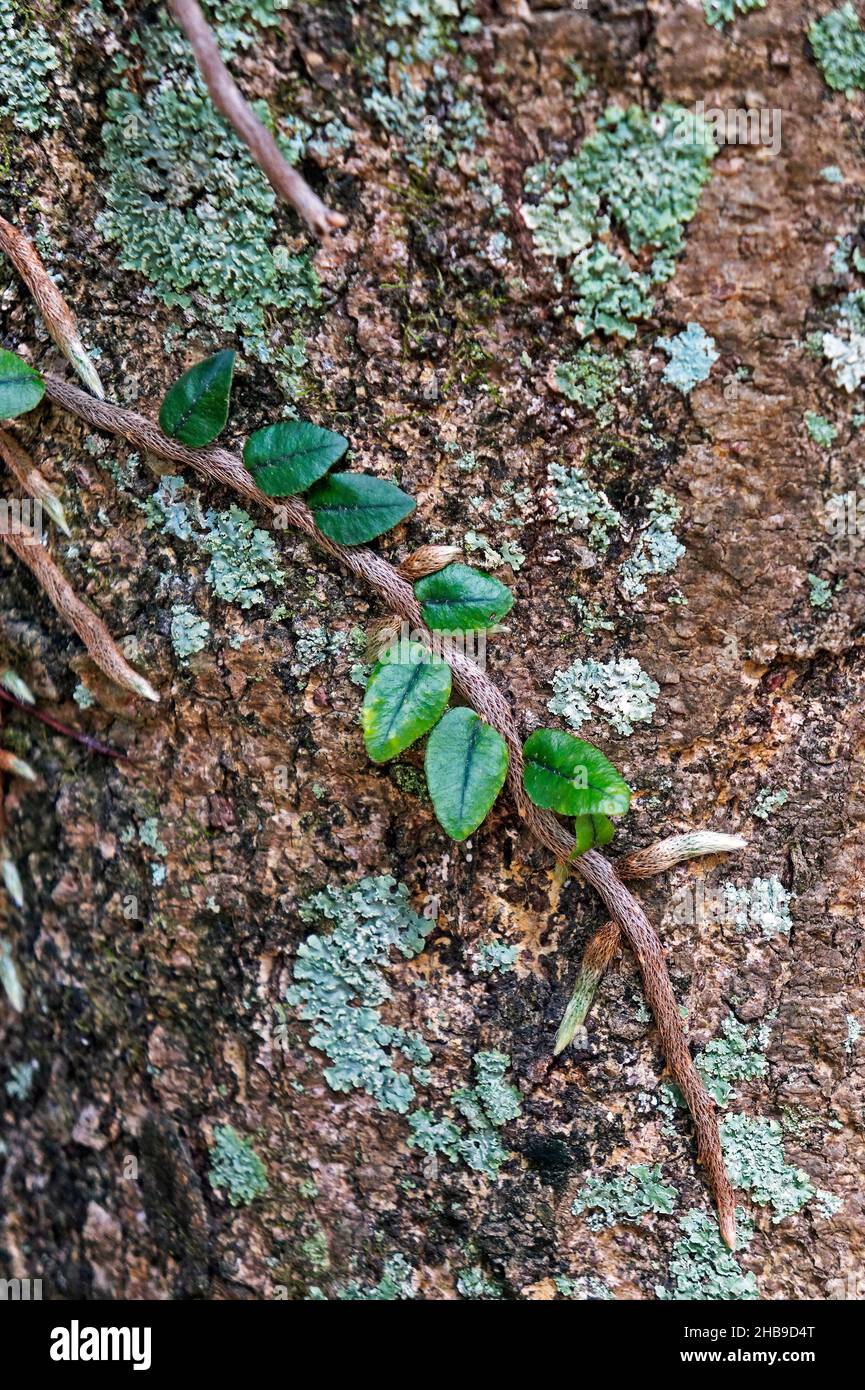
[{"x": 155, "y": 1000}]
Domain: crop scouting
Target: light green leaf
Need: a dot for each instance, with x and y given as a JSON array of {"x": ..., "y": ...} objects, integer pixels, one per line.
[
  {"x": 402, "y": 701},
  {"x": 466, "y": 765},
  {"x": 564, "y": 774},
  {"x": 289, "y": 457},
  {"x": 195, "y": 410},
  {"x": 591, "y": 832},
  {"x": 354, "y": 507},
  {"x": 461, "y": 599},
  {"x": 21, "y": 388}
]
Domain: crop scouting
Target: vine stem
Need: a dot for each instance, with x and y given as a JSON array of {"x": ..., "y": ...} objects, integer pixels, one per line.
[
  {"x": 227, "y": 98},
  {"x": 396, "y": 593},
  {"x": 94, "y": 744}
]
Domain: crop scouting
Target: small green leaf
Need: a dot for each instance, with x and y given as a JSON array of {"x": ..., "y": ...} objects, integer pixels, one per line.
[
  {"x": 564, "y": 774},
  {"x": 289, "y": 457},
  {"x": 461, "y": 599},
  {"x": 20, "y": 386},
  {"x": 354, "y": 507},
  {"x": 591, "y": 832},
  {"x": 195, "y": 410},
  {"x": 403, "y": 699},
  {"x": 466, "y": 765}
]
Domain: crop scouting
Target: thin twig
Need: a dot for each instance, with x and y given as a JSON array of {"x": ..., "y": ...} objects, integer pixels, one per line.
[
  {"x": 94, "y": 744},
  {"x": 227, "y": 98},
  {"x": 89, "y": 626},
  {"x": 491, "y": 704},
  {"x": 58, "y": 317}
]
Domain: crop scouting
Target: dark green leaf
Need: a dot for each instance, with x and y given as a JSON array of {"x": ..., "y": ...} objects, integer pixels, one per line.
[
  {"x": 461, "y": 599},
  {"x": 466, "y": 765},
  {"x": 564, "y": 774},
  {"x": 20, "y": 386},
  {"x": 354, "y": 507},
  {"x": 402, "y": 701},
  {"x": 196, "y": 408},
  {"x": 591, "y": 832},
  {"x": 289, "y": 457}
]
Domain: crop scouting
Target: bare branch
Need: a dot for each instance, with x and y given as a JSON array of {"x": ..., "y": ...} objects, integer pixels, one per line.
[{"x": 226, "y": 96}]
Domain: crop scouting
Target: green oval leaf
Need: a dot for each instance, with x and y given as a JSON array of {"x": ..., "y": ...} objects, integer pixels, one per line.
[
  {"x": 466, "y": 765},
  {"x": 591, "y": 832},
  {"x": 355, "y": 507},
  {"x": 564, "y": 774},
  {"x": 195, "y": 410},
  {"x": 20, "y": 386},
  {"x": 289, "y": 457},
  {"x": 461, "y": 599},
  {"x": 403, "y": 699}
]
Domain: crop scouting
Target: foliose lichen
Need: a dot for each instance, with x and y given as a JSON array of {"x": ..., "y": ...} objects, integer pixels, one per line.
[
  {"x": 737, "y": 1055},
  {"x": 692, "y": 354},
  {"x": 339, "y": 986},
  {"x": 622, "y": 691},
  {"x": 658, "y": 550},
  {"x": 189, "y": 631},
  {"x": 491, "y": 956},
  {"x": 765, "y": 905},
  {"x": 640, "y": 1190},
  {"x": 768, "y": 802},
  {"x": 578, "y": 505},
  {"x": 486, "y": 1106},
  {"x": 754, "y": 1154},
  {"x": 235, "y": 1167},
  {"x": 820, "y": 429},
  {"x": 702, "y": 1267},
  {"x": 28, "y": 59},
  {"x": 838, "y": 41},
  {"x": 721, "y": 12},
  {"x": 590, "y": 378}
]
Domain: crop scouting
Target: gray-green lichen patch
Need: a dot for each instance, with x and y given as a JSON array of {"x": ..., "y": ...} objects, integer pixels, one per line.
[
  {"x": 765, "y": 905},
  {"x": 185, "y": 202},
  {"x": 820, "y": 429},
  {"x": 819, "y": 591},
  {"x": 492, "y": 956},
  {"x": 473, "y": 1283},
  {"x": 27, "y": 60},
  {"x": 586, "y": 1287},
  {"x": 589, "y": 377},
  {"x": 722, "y": 12},
  {"x": 738, "y": 1055},
  {"x": 235, "y": 1167},
  {"x": 398, "y": 1282},
  {"x": 620, "y": 689},
  {"x": 658, "y": 550},
  {"x": 854, "y": 1032},
  {"x": 768, "y": 802},
  {"x": 313, "y": 646},
  {"x": 702, "y": 1267},
  {"x": 339, "y": 986},
  {"x": 486, "y": 1107},
  {"x": 635, "y": 183},
  {"x": 628, "y": 1198},
  {"x": 189, "y": 631},
  {"x": 838, "y": 41},
  {"x": 754, "y": 1154},
  {"x": 844, "y": 348},
  {"x": 577, "y": 505},
  {"x": 692, "y": 354}
]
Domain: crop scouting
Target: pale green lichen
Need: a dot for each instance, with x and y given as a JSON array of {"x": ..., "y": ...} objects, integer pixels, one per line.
[
  {"x": 473, "y": 1283},
  {"x": 737, "y": 1055},
  {"x": 83, "y": 696},
  {"x": 486, "y": 1107},
  {"x": 838, "y": 41},
  {"x": 187, "y": 205},
  {"x": 620, "y": 689},
  {"x": 339, "y": 986},
  {"x": 854, "y": 1032},
  {"x": 765, "y": 905},
  {"x": 819, "y": 591},
  {"x": 754, "y": 1154},
  {"x": 820, "y": 429},
  {"x": 721, "y": 12},
  {"x": 658, "y": 550},
  {"x": 702, "y": 1268},
  {"x": 189, "y": 631},
  {"x": 313, "y": 646},
  {"x": 27, "y": 60},
  {"x": 243, "y": 557},
  {"x": 148, "y": 835},
  {"x": 578, "y": 505},
  {"x": 627, "y": 1198},
  {"x": 235, "y": 1167},
  {"x": 588, "y": 1286},
  {"x": 692, "y": 354},
  {"x": 21, "y": 1078},
  {"x": 830, "y": 173},
  {"x": 844, "y": 348},
  {"x": 492, "y": 956},
  {"x": 638, "y": 176},
  {"x": 397, "y": 1283},
  {"x": 590, "y": 378},
  {"x": 768, "y": 802}
]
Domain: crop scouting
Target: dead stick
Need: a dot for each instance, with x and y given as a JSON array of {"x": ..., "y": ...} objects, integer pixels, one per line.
[
  {"x": 226, "y": 96},
  {"x": 398, "y": 596}
]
